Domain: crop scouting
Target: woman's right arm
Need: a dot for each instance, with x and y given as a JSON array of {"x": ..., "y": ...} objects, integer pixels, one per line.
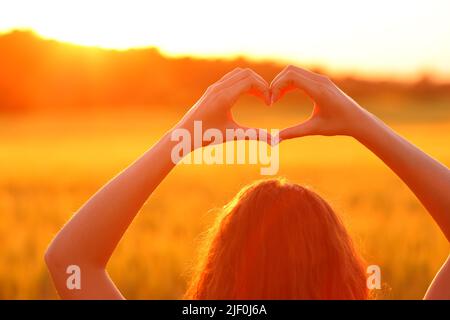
[
  {"x": 335, "y": 113},
  {"x": 90, "y": 237}
]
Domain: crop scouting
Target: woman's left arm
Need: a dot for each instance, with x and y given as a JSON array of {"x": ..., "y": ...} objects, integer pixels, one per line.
[{"x": 90, "y": 237}]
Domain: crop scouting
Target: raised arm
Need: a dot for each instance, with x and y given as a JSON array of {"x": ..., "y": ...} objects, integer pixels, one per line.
[
  {"x": 335, "y": 113},
  {"x": 90, "y": 237}
]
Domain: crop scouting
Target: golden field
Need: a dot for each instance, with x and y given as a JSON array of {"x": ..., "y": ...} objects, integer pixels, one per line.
[{"x": 51, "y": 163}]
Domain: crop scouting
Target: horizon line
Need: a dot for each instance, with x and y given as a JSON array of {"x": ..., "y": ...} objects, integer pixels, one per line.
[{"x": 383, "y": 75}]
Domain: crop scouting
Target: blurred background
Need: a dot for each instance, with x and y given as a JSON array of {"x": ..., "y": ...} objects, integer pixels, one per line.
[{"x": 88, "y": 86}]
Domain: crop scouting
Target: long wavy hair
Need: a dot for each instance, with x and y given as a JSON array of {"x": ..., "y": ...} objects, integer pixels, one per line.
[{"x": 278, "y": 240}]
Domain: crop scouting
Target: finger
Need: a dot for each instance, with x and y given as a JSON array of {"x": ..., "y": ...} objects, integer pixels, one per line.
[
  {"x": 308, "y": 73},
  {"x": 290, "y": 80},
  {"x": 306, "y": 128},
  {"x": 275, "y": 139},
  {"x": 263, "y": 91},
  {"x": 230, "y": 74},
  {"x": 291, "y": 71},
  {"x": 249, "y": 133},
  {"x": 304, "y": 72},
  {"x": 243, "y": 73},
  {"x": 214, "y": 87},
  {"x": 248, "y": 84}
]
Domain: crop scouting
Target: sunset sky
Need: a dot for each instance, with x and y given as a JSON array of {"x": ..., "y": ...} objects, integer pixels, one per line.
[{"x": 381, "y": 37}]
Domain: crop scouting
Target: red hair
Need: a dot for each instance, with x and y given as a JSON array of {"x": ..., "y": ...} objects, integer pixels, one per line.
[{"x": 278, "y": 240}]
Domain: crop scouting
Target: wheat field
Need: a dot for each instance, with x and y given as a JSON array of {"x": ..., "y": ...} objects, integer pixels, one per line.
[{"x": 51, "y": 164}]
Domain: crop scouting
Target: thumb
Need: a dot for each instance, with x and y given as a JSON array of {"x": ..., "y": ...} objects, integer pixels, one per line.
[
  {"x": 250, "y": 133},
  {"x": 306, "y": 128}
]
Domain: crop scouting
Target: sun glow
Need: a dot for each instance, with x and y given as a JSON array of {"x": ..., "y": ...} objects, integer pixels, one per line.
[{"x": 376, "y": 38}]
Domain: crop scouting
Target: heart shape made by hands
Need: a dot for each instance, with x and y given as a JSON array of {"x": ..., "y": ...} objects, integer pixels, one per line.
[{"x": 289, "y": 110}]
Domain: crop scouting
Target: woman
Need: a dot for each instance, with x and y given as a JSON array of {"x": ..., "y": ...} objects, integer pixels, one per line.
[{"x": 275, "y": 240}]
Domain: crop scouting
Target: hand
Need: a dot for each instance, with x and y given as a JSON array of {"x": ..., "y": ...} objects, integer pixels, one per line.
[
  {"x": 334, "y": 112},
  {"x": 214, "y": 107}
]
